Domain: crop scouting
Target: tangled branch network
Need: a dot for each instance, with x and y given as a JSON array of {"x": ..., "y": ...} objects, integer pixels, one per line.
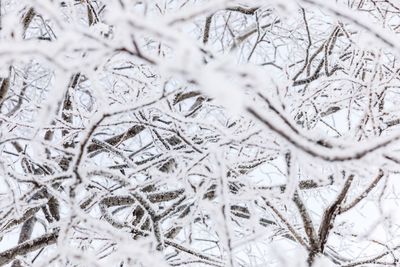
[{"x": 199, "y": 133}]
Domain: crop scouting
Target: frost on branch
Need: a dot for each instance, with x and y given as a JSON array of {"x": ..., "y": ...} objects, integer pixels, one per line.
[{"x": 199, "y": 133}]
